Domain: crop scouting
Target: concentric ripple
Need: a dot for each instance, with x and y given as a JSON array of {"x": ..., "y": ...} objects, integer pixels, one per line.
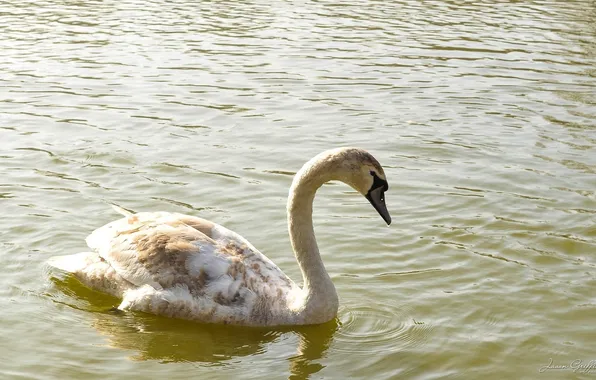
[{"x": 380, "y": 327}]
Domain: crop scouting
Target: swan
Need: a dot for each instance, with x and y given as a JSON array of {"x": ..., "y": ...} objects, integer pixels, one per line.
[{"x": 186, "y": 267}]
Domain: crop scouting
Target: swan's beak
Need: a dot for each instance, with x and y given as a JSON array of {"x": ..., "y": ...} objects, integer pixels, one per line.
[{"x": 376, "y": 197}]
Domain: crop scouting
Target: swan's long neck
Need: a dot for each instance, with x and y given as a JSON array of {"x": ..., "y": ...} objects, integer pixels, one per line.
[{"x": 320, "y": 300}]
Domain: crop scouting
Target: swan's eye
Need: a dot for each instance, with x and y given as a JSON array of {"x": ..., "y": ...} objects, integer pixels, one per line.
[{"x": 378, "y": 182}]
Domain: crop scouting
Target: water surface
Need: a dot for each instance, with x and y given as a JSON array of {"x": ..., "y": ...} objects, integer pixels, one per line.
[{"x": 483, "y": 114}]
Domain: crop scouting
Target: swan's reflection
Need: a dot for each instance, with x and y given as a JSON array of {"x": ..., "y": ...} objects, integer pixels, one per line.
[{"x": 172, "y": 340}]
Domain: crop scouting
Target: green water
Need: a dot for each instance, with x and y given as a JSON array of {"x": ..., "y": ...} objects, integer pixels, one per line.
[{"x": 482, "y": 113}]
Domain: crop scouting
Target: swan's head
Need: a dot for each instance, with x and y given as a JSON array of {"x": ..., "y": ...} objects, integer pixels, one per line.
[{"x": 362, "y": 171}]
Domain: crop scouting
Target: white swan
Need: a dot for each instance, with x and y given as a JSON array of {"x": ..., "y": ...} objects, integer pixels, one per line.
[{"x": 185, "y": 267}]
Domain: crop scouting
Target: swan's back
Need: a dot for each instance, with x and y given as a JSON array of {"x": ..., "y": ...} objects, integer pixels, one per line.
[{"x": 186, "y": 267}]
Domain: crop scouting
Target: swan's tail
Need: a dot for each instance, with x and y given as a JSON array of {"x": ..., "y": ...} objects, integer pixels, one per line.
[{"x": 72, "y": 263}]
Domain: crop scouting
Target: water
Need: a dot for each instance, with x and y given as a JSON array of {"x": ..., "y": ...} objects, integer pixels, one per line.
[{"x": 483, "y": 114}]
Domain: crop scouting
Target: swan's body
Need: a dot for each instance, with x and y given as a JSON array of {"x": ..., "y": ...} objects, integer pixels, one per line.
[{"x": 186, "y": 267}]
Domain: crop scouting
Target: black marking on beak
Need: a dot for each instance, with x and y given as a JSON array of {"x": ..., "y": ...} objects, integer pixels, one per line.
[{"x": 376, "y": 197}]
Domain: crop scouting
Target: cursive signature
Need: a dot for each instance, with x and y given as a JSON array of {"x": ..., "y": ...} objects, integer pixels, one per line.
[{"x": 577, "y": 366}]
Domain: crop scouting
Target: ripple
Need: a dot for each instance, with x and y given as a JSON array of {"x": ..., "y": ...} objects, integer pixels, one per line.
[
  {"x": 180, "y": 203},
  {"x": 367, "y": 328}
]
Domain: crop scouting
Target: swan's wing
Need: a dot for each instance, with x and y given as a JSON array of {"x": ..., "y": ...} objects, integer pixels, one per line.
[
  {"x": 224, "y": 236},
  {"x": 141, "y": 247},
  {"x": 166, "y": 250}
]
